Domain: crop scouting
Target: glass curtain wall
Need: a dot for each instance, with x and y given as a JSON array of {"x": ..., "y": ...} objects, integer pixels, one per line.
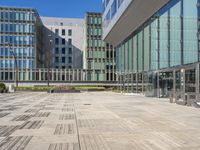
[{"x": 168, "y": 39}]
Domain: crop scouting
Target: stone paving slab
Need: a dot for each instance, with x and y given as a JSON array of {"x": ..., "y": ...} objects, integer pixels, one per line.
[{"x": 95, "y": 121}]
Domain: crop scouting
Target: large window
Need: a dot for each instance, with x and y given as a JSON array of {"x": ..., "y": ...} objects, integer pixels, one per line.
[
  {"x": 69, "y": 32},
  {"x": 63, "y": 41},
  {"x": 63, "y": 31},
  {"x": 57, "y": 31},
  {"x": 63, "y": 59},
  {"x": 70, "y": 59},
  {"x": 56, "y": 41},
  {"x": 70, "y": 41},
  {"x": 113, "y": 8},
  {"x": 63, "y": 50}
]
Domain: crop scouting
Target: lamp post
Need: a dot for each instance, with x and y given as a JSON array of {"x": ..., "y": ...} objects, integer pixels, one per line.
[
  {"x": 48, "y": 76},
  {"x": 15, "y": 59}
]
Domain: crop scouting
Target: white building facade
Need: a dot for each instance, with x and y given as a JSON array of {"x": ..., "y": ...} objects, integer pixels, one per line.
[{"x": 65, "y": 40}]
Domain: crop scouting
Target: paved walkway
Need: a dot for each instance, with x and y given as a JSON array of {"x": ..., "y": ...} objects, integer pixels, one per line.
[{"x": 95, "y": 121}]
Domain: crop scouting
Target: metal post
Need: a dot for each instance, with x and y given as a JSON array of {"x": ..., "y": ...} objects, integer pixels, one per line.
[{"x": 48, "y": 72}]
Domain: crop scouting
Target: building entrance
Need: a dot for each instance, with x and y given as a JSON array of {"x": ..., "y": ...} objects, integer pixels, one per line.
[{"x": 165, "y": 83}]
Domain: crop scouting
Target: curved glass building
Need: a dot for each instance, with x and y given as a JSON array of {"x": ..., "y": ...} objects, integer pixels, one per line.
[{"x": 157, "y": 44}]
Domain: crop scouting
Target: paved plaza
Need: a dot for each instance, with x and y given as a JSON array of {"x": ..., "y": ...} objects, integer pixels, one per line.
[{"x": 96, "y": 121}]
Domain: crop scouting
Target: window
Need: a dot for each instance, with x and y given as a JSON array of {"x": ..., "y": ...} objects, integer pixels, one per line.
[
  {"x": 63, "y": 41},
  {"x": 63, "y": 50},
  {"x": 61, "y": 23},
  {"x": 70, "y": 50},
  {"x": 69, "y": 32},
  {"x": 107, "y": 67},
  {"x": 56, "y": 50},
  {"x": 70, "y": 60},
  {"x": 107, "y": 54},
  {"x": 70, "y": 67},
  {"x": 63, "y": 31},
  {"x": 120, "y": 2},
  {"x": 57, "y": 59},
  {"x": 63, "y": 59},
  {"x": 70, "y": 41},
  {"x": 56, "y": 31},
  {"x": 113, "y": 8},
  {"x": 56, "y": 41}
]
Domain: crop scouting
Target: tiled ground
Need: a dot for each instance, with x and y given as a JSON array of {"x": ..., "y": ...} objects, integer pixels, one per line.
[{"x": 95, "y": 121}]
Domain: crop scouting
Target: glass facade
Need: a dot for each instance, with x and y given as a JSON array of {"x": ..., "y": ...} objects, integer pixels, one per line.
[
  {"x": 19, "y": 32},
  {"x": 166, "y": 40},
  {"x": 112, "y": 10}
]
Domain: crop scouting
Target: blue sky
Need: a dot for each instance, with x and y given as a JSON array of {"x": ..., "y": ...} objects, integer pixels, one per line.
[{"x": 58, "y": 8}]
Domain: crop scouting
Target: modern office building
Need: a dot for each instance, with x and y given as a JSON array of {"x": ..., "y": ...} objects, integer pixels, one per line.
[
  {"x": 20, "y": 42},
  {"x": 99, "y": 57},
  {"x": 67, "y": 42},
  {"x": 34, "y": 48},
  {"x": 157, "y": 44}
]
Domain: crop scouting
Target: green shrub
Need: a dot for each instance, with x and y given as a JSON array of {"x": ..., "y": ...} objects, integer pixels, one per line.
[
  {"x": 2, "y": 87},
  {"x": 35, "y": 88}
]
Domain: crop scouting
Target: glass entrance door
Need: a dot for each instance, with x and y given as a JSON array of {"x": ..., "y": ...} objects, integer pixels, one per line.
[{"x": 165, "y": 83}]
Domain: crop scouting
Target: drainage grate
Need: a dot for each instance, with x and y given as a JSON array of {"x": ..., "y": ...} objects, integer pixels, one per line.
[
  {"x": 32, "y": 110},
  {"x": 15, "y": 143},
  {"x": 87, "y": 123},
  {"x": 3, "y": 114},
  {"x": 7, "y": 130},
  {"x": 65, "y": 146},
  {"x": 66, "y": 117},
  {"x": 67, "y": 110},
  {"x": 87, "y": 104},
  {"x": 62, "y": 129},
  {"x": 22, "y": 118},
  {"x": 42, "y": 114},
  {"x": 31, "y": 125}
]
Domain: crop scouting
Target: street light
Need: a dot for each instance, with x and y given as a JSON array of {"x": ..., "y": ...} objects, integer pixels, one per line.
[
  {"x": 15, "y": 59},
  {"x": 49, "y": 49}
]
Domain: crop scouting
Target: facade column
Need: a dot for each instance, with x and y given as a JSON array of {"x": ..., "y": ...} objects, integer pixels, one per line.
[
  {"x": 86, "y": 75},
  {"x": 52, "y": 74},
  {"x": 39, "y": 74},
  {"x": 131, "y": 82},
  {"x": 56, "y": 74},
  {"x": 183, "y": 84},
  {"x": 197, "y": 81},
  {"x": 136, "y": 82},
  {"x": 128, "y": 75},
  {"x": 69, "y": 77},
  {"x": 81, "y": 73},
  {"x": 73, "y": 74},
  {"x": 142, "y": 82},
  {"x": 158, "y": 84},
  {"x": 31, "y": 77},
  {"x": 174, "y": 83},
  {"x": 77, "y": 74},
  {"x": 60, "y": 73},
  {"x": 65, "y": 75}
]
